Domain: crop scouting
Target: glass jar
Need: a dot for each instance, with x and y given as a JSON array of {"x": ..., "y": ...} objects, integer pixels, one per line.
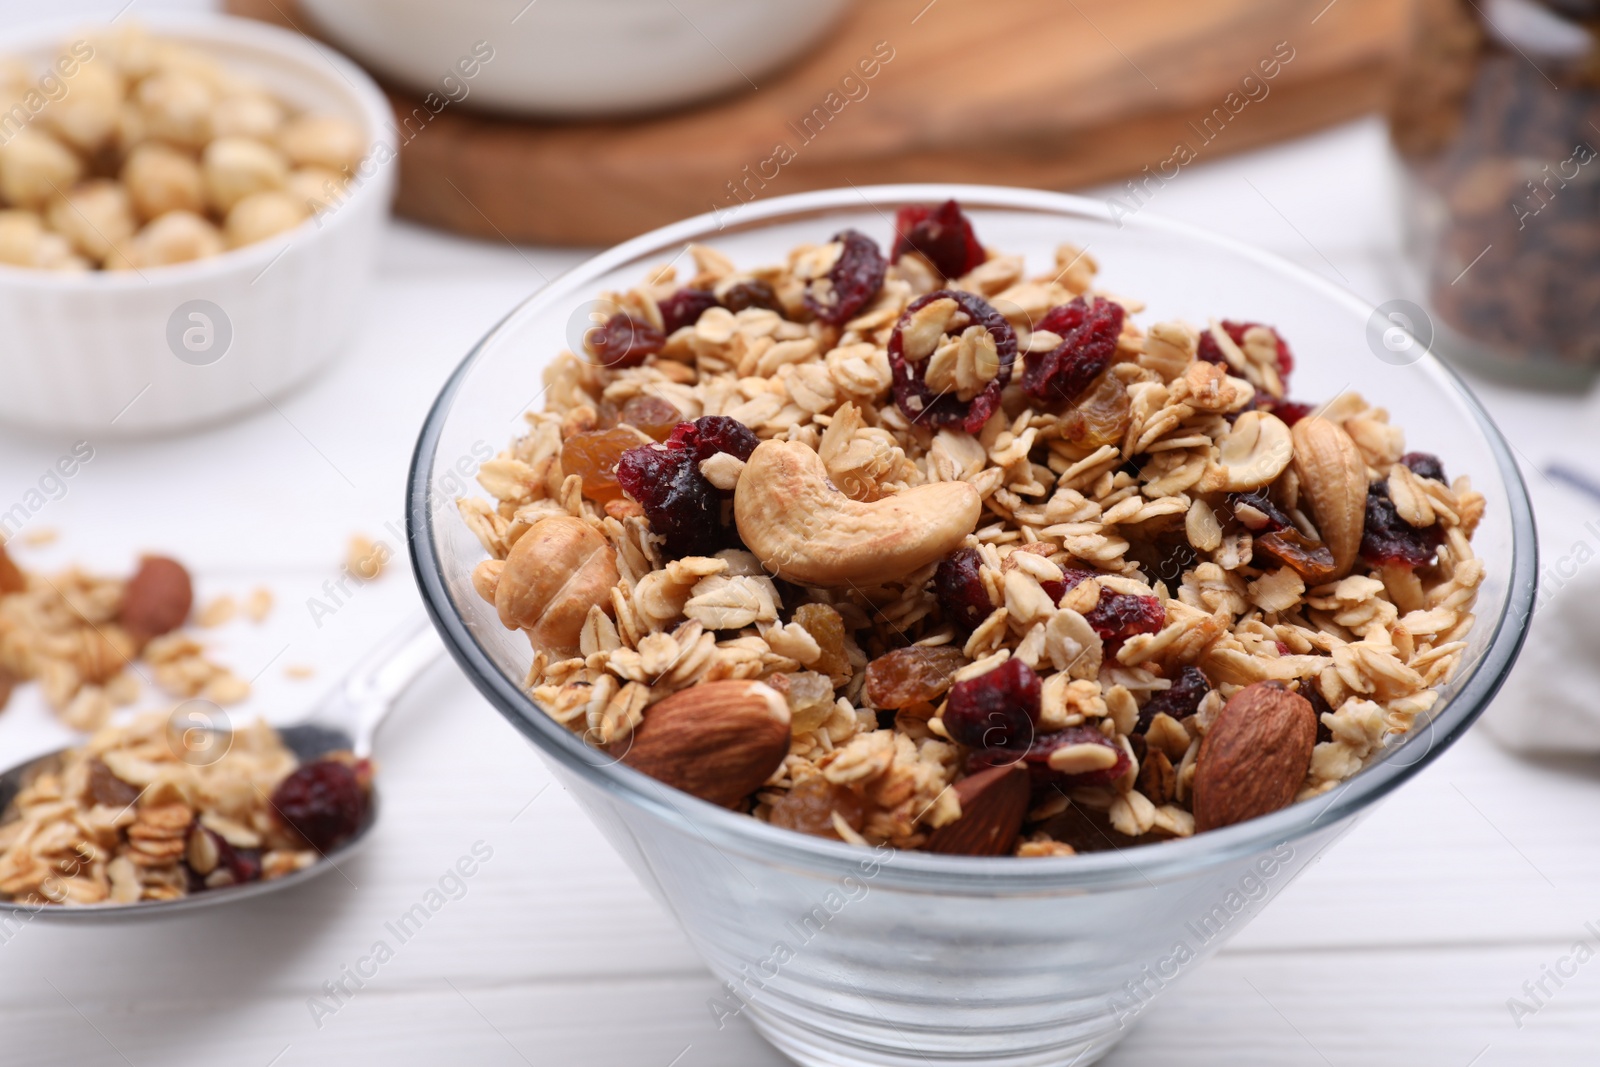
[{"x": 1497, "y": 122}]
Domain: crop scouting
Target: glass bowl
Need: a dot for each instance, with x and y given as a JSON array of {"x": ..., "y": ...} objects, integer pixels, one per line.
[{"x": 841, "y": 955}]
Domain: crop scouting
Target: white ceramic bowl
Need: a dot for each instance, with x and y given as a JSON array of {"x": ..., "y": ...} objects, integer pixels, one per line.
[
  {"x": 95, "y": 354},
  {"x": 574, "y": 58}
]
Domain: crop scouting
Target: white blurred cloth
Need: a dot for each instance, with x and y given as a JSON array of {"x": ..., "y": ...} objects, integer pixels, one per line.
[{"x": 1551, "y": 701}]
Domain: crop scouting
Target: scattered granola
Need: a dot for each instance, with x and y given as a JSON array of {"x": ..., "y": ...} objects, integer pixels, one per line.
[
  {"x": 88, "y": 639},
  {"x": 135, "y": 815},
  {"x": 365, "y": 558},
  {"x": 966, "y": 522}
]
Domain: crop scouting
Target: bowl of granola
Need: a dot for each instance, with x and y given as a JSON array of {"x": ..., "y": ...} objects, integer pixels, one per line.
[{"x": 961, "y": 632}]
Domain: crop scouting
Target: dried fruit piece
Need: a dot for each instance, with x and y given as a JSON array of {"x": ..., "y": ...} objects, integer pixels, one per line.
[
  {"x": 1257, "y": 512},
  {"x": 998, "y": 709},
  {"x": 752, "y": 293},
  {"x": 650, "y": 415},
  {"x": 623, "y": 341},
  {"x": 960, "y": 591},
  {"x": 157, "y": 599},
  {"x": 1255, "y": 756},
  {"x": 943, "y": 235},
  {"x": 826, "y": 627},
  {"x": 684, "y": 308},
  {"x": 593, "y": 456},
  {"x": 107, "y": 789},
  {"x": 1101, "y": 415},
  {"x": 1088, "y": 344},
  {"x": 1312, "y": 560},
  {"x": 683, "y": 508},
  {"x": 810, "y": 806},
  {"x": 1180, "y": 700},
  {"x": 1078, "y": 755},
  {"x": 718, "y": 741},
  {"x": 912, "y": 393},
  {"x": 915, "y": 675},
  {"x": 993, "y": 804},
  {"x": 1425, "y": 465},
  {"x": 810, "y": 697},
  {"x": 1212, "y": 353},
  {"x": 1387, "y": 538},
  {"x": 323, "y": 802},
  {"x": 852, "y": 281},
  {"x": 1115, "y": 616}
]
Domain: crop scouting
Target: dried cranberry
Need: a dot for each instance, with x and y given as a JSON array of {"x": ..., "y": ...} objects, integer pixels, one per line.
[
  {"x": 1037, "y": 757},
  {"x": 1180, "y": 700},
  {"x": 1290, "y": 411},
  {"x": 751, "y": 293},
  {"x": 1088, "y": 344},
  {"x": 242, "y": 864},
  {"x": 1117, "y": 616},
  {"x": 684, "y": 308},
  {"x": 995, "y": 710},
  {"x": 1425, "y": 465},
  {"x": 1319, "y": 706},
  {"x": 852, "y": 281},
  {"x": 624, "y": 341},
  {"x": 683, "y": 508},
  {"x": 323, "y": 802},
  {"x": 1211, "y": 352},
  {"x": 959, "y": 589},
  {"x": 942, "y": 234},
  {"x": 913, "y": 395},
  {"x": 1387, "y": 538}
]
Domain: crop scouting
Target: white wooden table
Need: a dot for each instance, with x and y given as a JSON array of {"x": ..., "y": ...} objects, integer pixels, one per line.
[{"x": 1401, "y": 947}]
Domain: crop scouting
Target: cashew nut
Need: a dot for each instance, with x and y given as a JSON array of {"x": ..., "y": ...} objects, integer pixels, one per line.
[
  {"x": 556, "y": 572},
  {"x": 1333, "y": 483},
  {"x": 1252, "y": 455},
  {"x": 804, "y": 530}
]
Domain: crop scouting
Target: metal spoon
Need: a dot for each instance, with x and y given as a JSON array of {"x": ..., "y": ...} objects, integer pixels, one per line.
[{"x": 346, "y": 718}]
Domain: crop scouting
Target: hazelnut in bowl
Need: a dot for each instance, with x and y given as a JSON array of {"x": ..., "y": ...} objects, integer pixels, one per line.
[
  {"x": 190, "y": 212},
  {"x": 953, "y": 628}
]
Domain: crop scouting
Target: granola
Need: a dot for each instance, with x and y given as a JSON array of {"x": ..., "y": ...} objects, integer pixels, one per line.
[
  {"x": 970, "y": 521},
  {"x": 88, "y": 639},
  {"x": 143, "y": 813}
]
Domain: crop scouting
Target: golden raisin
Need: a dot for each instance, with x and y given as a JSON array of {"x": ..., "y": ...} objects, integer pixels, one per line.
[
  {"x": 652, "y": 416},
  {"x": 1101, "y": 415},
  {"x": 593, "y": 455},
  {"x": 826, "y": 627},
  {"x": 810, "y": 697},
  {"x": 915, "y": 675},
  {"x": 810, "y": 805}
]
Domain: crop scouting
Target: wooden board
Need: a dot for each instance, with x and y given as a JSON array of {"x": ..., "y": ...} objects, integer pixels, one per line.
[{"x": 1045, "y": 93}]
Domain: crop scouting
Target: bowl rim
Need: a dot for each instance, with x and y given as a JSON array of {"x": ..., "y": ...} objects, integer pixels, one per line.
[
  {"x": 929, "y": 872},
  {"x": 248, "y": 34}
]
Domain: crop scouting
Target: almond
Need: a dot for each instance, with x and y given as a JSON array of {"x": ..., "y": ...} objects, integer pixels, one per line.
[
  {"x": 993, "y": 804},
  {"x": 1255, "y": 756},
  {"x": 719, "y": 740},
  {"x": 157, "y": 598},
  {"x": 1333, "y": 481},
  {"x": 11, "y": 577}
]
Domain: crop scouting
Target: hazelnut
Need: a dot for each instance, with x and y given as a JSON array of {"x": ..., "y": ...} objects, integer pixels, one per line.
[
  {"x": 20, "y": 232},
  {"x": 35, "y": 167},
  {"x": 323, "y": 141},
  {"x": 262, "y": 215},
  {"x": 559, "y": 569},
  {"x": 161, "y": 179},
  {"x": 247, "y": 115},
  {"x": 86, "y": 117},
  {"x": 176, "y": 237},
  {"x": 176, "y": 107},
  {"x": 235, "y": 167},
  {"x": 96, "y": 216},
  {"x": 318, "y": 188}
]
